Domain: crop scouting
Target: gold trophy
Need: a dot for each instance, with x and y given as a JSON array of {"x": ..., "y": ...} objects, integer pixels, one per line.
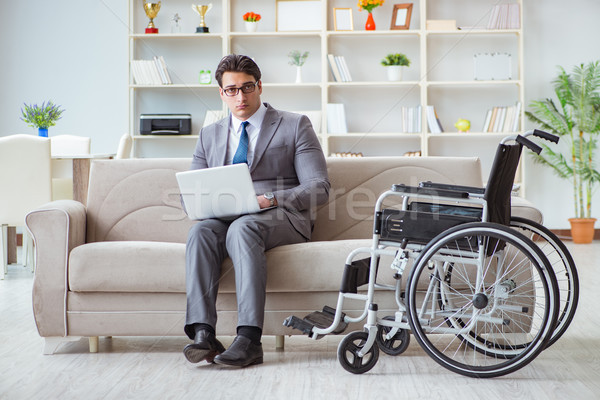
[
  {"x": 201, "y": 10},
  {"x": 151, "y": 10}
]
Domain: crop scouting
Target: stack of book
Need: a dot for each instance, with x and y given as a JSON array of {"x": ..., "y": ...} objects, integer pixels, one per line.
[
  {"x": 339, "y": 68},
  {"x": 411, "y": 120},
  {"x": 336, "y": 118},
  {"x": 150, "y": 72},
  {"x": 503, "y": 119},
  {"x": 433, "y": 121},
  {"x": 504, "y": 16}
]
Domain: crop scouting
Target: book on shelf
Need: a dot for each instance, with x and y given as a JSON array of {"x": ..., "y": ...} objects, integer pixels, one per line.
[
  {"x": 505, "y": 16},
  {"x": 150, "y": 72},
  {"x": 433, "y": 121},
  {"x": 503, "y": 118},
  {"x": 410, "y": 119},
  {"x": 345, "y": 71},
  {"x": 336, "y": 118},
  {"x": 339, "y": 68}
]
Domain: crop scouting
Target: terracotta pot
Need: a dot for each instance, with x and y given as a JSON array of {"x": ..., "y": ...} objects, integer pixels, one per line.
[{"x": 582, "y": 230}]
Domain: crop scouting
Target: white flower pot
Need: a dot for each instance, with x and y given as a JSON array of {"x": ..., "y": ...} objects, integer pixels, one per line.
[
  {"x": 251, "y": 26},
  {"x": 394, "y": 73},
  {"x": 298, "y": 74}
]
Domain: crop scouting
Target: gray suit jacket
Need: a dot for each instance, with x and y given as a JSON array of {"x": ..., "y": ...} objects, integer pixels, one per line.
[{"x": 288, "y": 161}]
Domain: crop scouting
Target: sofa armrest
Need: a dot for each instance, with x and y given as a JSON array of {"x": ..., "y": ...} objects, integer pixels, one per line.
[
  {"x": 56, "y": 228},
  {"x": 523, "y": 208}
]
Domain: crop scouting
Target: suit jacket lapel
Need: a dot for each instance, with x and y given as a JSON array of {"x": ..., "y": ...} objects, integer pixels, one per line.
[
  {"x": 267, "y": 130},
  {"x": 219, "y": 153}
]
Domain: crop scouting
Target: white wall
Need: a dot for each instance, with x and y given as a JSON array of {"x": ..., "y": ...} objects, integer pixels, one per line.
[
  {"x": 75, "y": 53},
  {"x": 556, "y": 33}
]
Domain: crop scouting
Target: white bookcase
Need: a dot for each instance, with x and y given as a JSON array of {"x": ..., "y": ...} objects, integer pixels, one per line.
[{"x": 441, "y": 73}]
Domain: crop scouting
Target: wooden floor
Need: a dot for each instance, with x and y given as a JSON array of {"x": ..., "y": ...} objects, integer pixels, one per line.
[{"x": 154, "y": 368}]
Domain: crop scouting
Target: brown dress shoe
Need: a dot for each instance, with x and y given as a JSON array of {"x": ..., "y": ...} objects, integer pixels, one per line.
[
  {"x": 205, "y": 347},
  {"x": 241, "y": 353}
]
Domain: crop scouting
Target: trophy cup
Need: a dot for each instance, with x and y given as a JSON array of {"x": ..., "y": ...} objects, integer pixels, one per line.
[
  {"x": 201, "y": 10},
  {"x": 151, "y": 10}
]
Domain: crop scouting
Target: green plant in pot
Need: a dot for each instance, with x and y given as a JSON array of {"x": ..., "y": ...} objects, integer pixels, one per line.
[
  {"x": 576, "y": 118},
  {"x": 394, "y": 63}
]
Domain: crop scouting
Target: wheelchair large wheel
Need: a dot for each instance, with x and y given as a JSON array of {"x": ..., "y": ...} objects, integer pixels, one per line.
[
  {"x": 349, "y": 358},
  {"x": 564, "y": 268},
  {"x": 482, "y": 300}
]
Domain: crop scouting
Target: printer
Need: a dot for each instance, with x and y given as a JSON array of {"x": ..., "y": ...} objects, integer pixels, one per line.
[{"x": 165, "y": 124}]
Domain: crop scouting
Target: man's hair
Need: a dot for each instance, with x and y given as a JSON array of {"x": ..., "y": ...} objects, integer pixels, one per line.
[{"x": 236, "y": 63}]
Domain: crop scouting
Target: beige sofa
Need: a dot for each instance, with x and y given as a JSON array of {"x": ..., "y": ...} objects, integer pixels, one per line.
[{"x": 116, "y": 268}]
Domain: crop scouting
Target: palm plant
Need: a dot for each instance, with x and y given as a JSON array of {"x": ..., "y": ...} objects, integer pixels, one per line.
[{"x": 577, "y": 120}]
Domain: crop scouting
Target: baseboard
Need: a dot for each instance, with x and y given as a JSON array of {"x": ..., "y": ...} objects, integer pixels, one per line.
[{"x": 565, "y": 234}]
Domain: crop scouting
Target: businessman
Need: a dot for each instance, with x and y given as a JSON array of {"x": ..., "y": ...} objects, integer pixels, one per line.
[{"x": 289, "y": 174}]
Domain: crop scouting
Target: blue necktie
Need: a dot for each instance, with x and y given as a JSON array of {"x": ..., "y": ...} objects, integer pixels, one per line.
[{"x": 241, "y": 154}]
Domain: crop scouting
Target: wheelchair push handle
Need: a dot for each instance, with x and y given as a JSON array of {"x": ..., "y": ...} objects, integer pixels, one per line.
[
  {"x": 545, "y": 135},
  {"x": 529, "y": 144}
]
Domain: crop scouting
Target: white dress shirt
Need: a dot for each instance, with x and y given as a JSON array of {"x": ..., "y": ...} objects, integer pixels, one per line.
[{"x": 235, "y": 131}]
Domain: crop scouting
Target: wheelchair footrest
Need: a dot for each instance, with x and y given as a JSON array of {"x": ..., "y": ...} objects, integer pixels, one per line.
[{"x": 320, "y": 319}]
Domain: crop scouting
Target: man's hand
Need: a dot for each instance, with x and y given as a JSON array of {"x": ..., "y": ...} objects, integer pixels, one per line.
[{"x": 264, "y": 203}]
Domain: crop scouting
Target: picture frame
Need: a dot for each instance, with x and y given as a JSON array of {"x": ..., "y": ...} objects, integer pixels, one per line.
[
  {"x": 401, "y": 16},
  {"x": 287, "y": 12},
  {"x": 342, "y": 19}
]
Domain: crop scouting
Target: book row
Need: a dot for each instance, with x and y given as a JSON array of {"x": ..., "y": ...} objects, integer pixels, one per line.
[
  {"x": 150, "y": 72},
  {"x": 339, "y": 68},
  {"x": 504, "y": 16},
  {"x": 503, "y": 119}
]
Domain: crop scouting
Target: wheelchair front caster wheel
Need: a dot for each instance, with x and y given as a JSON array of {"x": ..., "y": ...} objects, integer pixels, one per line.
[
  {"x": 348, "y": 353},
  {"x": 397, "y": 344}
]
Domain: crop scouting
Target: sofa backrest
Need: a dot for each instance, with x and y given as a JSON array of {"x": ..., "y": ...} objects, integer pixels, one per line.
[
  {"x": 356, "y": 183},
  {"x": 138, "y": 199}
]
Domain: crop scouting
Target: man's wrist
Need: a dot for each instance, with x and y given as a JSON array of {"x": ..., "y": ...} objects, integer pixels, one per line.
[{"x": 271, "y": 197}]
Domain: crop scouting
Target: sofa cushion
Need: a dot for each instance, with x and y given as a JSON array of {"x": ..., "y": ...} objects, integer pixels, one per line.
[{"x": 160, "y": 267}]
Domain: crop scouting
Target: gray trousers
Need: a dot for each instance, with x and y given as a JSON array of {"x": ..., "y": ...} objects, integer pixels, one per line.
[{"x": 245, "y": 240}]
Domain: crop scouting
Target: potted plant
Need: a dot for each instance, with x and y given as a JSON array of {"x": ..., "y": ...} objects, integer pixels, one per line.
[
  {"x": 41, "y": 117},
  {"x": 251, "y": 21},
  {"x": 394, "y": 64},
  {"x": 298, "y": 59},
  {"x": 577, "y": 120}
]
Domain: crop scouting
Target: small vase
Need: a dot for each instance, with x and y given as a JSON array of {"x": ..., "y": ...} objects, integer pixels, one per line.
[
  {"x": 394, "y": 73},
  {"x": 582, "y": 230},
  {"x": 370, "y": 25},
  {"x": 298, "y": 74},
  {"x": 251, "y": 26},
  {"x": 43, "y": 132}
]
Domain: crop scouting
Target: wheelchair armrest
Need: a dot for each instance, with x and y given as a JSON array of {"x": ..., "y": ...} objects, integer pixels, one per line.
[
  {"x": 445, "y": 186},
  {"x": 430, "y": 191}
]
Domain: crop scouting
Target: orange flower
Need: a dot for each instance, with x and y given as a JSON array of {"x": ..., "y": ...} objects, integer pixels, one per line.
[
  {"x": 369, "y": 5},
  {"x": 251, "y": 17}
]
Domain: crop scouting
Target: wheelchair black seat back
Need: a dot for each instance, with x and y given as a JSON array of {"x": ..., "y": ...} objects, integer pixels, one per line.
[{"x": 423, "y": 220}]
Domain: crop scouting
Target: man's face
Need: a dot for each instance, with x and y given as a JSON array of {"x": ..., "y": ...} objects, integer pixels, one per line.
[{"x": 242, "y": 105}]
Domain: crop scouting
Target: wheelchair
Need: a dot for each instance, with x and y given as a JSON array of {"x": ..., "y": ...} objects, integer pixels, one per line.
[{"x": 485, "y": 292}]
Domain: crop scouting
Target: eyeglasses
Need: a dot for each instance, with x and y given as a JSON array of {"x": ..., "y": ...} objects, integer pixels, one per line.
[{"x": 247, "y": 88}]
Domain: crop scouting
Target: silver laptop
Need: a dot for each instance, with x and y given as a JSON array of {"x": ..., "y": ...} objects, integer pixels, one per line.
[{"x": 218, "y": 192}]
